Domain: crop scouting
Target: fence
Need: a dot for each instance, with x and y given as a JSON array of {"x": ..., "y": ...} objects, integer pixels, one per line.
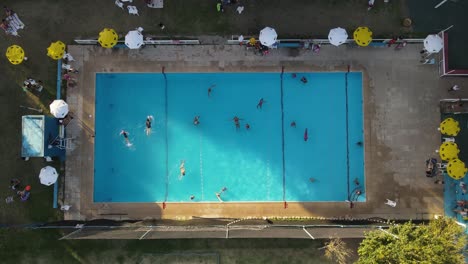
[
  {"x": 147, "y": 42},
  {"x": 217, "y": 228}
]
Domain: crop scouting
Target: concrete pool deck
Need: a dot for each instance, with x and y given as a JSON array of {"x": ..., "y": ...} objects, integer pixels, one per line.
[{"x": 401, "y": 116}]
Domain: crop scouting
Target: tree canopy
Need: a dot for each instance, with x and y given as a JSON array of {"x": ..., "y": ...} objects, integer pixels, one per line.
[{"x": 440, "y": 241}]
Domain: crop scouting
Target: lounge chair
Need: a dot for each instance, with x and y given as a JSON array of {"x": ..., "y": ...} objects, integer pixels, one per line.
[
  {"x": 155, "y": 3},
  {"x": 119, "y": 4},
  {"x": 449, "y": 139},
  {"x": 390, "y": 203},
  {"x": 132, "y": 10}
]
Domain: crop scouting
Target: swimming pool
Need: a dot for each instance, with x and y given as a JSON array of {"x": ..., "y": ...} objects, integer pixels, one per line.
[{"x": 271, "y": 161}]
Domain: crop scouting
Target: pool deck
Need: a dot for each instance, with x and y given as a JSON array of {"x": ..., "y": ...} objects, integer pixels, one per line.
[{"x": 401, "y": 116}]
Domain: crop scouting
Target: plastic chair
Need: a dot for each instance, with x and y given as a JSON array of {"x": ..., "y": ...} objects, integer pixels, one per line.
[
  {"x": 119, "y": 4},
  {"x": 65, "y": 143},
  {"x": 390, "y": 203},
  {"x": 132, "y": 10},
  {"x": 65, "y": 207},
  {"x": 442, "y": 166}
]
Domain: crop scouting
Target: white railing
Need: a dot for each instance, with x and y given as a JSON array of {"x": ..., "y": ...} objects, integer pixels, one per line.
[{"x": 147, "y": 42}]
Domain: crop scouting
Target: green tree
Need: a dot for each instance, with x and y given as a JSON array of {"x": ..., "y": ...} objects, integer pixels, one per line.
[{"x": 440, "y": 241}]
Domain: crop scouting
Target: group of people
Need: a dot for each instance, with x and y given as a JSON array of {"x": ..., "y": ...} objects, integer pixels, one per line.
[
  {"x": 258, "y": 47},
  {"x": 68, "y": 69},
  {"x": 11, "y": 24},
  {"x": 23, "y": 195},
  {"x": 192, "y": 197},
  {"x": 148, "y": 126},
  {"x": 461, "y": 209},
  {"x": 32, "y": 85}
]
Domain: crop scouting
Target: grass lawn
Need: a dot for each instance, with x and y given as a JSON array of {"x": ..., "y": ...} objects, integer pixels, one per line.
[{"x": 43, "y": 246}]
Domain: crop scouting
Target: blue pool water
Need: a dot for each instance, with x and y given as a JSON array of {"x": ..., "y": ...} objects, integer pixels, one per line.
[{"x": 269, "y": 162}]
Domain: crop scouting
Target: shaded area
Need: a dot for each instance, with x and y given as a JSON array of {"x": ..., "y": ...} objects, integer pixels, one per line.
[
  {"x": 452, "y": 190},
  {"x": 48, "y": 249},
  {"x": 428, "y": 20}
]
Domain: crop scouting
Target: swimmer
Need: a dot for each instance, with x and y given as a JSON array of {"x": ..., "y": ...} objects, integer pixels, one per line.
[
  {"x": 247, "y": 126},
  {"x": 149, "y": 119},
  {"x": 356, "y": 181},
  {"x": 218, "y": 195},
  {"x": 294, "y": 75},
  {"x": 260, "y": 103},
  {"x": 236, "y": 122},
  {"x": 125, "y": 135},
  {"x": 182, "y": 169},
  {"x": 293, "y": 124},
  {"x": 312, "y": 180},
  {"x": 196, "y": 120},
  {"x": 306, "y": 135},
  {"x": 304, "y": 80},
  {"x": 223, "y": 189},
  {"x": 192, "y": 197},
  {"x": 210, "y": 89}
]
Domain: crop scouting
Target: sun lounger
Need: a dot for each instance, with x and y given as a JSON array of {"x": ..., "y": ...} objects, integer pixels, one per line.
[
  {"x": 132, "y": 10},
  {"x": 155, "y": 3},
  {"x": 119, "y": 4},
  {"x": 15, "y": 22},
  {"x": 390, "y": 203},
  {"x": 449, "y": 139}
]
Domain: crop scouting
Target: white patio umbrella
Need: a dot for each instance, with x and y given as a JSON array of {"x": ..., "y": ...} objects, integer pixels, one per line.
[
  {"x": 433, "y": 43},
  {"x": 337, "y": 36},
  {"x": 48, "y": 175},
  {"x": 59, "y": 108},
  {"x": 134, "y": 39},
  {"x": 268, "y": 36}
]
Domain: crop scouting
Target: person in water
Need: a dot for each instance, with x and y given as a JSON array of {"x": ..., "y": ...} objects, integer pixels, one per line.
[
  {"x": 149, "y": 119},
  {"x": 304, "y": 80},
  {"x": 293, "y": 124},
  {"x": 236, "y": 122},
  {"x": 182, "y": 168},
  {"x": 210, "y": 89},
  {"x": 260, "y": 103},
  {"x": 247, "y": 126},
  {"x": 125, "y": 135},
  {"x": 196, "y": 120}
]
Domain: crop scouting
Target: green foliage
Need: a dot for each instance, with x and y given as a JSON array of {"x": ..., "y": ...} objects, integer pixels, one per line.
[{"x": 440, "y": 241}]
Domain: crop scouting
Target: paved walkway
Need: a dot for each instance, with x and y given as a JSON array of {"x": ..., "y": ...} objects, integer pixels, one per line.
[{"x": 401, "y": 118}]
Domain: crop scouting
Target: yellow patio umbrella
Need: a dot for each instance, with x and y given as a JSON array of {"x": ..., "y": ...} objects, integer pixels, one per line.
[
  {"x": 448, "y": 151},
  {"x": 56, "y": 50},
  {"x": 15, "y": 54},
  {"x": 108, "y": 38},
  {"x": 362, "y": 36},
  {"x": 449, "y": 127},
  {"x": 456, "y": 169}
]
